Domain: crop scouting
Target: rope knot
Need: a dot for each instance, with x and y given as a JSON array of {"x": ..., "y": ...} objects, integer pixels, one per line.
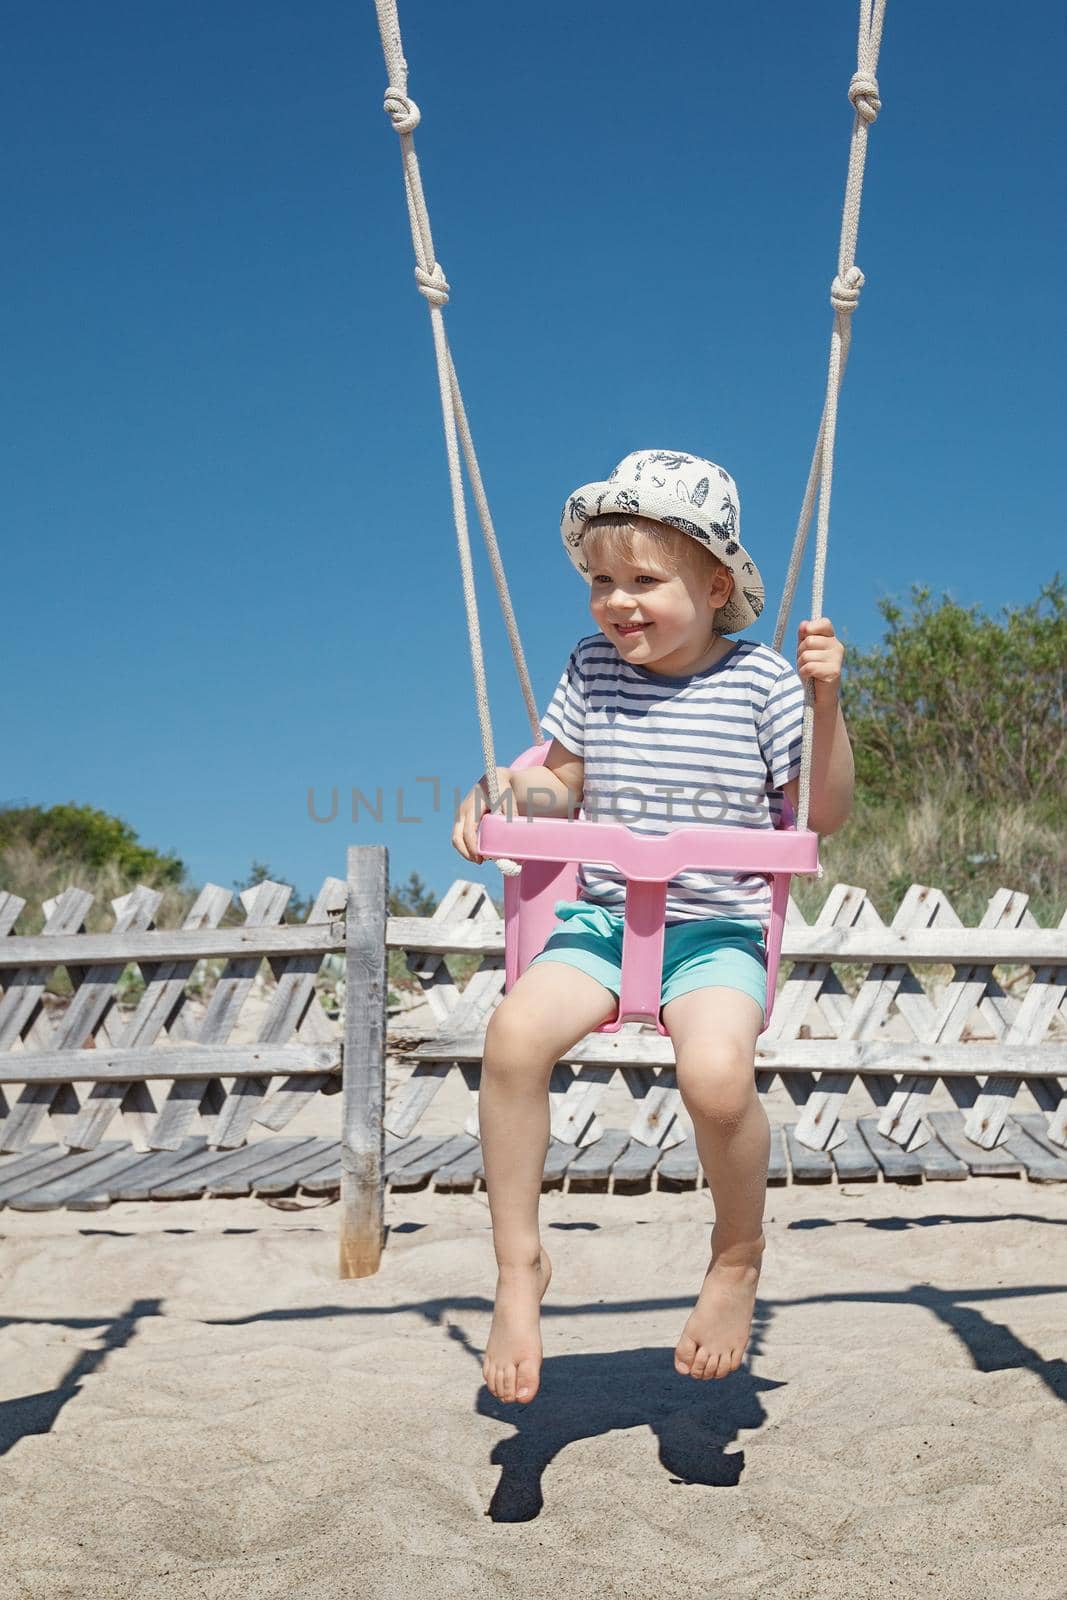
[
  {"x": 433, "y": 284},
  {"x": 863, "y": 92},
  {"x": 845, "y": 292},
  {"x": 403, "y": 113}
]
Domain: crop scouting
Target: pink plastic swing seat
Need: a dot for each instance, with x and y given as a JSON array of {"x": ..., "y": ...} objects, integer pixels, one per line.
[{"x": 551, "y": 848}]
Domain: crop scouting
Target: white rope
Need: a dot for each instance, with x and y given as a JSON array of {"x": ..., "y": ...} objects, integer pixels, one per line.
[
  {"x": 844, "y": 297},
  {"x": 432, "y": 283}
]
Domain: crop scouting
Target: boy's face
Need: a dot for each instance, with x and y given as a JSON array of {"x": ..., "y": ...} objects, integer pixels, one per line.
[{"x": 655, "y": 618}]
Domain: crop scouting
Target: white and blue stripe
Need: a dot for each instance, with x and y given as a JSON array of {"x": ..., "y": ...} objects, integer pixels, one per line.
[{"x": 663, "y": 753}]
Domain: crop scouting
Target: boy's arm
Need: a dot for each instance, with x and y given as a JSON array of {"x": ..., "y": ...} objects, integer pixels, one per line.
[
  {"x": 832, "y": 773},
  {"x": 552, "y": 790},
  {"x": 819, "y": 658}
]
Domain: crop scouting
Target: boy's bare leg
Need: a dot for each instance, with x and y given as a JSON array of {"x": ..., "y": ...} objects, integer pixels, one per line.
[
  {"x": 714, "y": 1032},
  {"x": 548, "y": 1010}
]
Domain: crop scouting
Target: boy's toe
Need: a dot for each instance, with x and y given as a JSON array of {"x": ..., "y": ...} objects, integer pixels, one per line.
[
  {"x": 683, "y": 1355},
  {"x": 526, "y": 1381},
  {"x": 701, "y": 1362}
]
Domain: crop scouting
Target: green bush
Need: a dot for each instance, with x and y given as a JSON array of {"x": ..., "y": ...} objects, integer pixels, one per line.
[
  {"x": 953, "y": 697},
  {"x": 71, "y": 833}
]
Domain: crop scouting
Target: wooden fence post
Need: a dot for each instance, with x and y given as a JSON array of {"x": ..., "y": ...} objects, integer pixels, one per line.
[{"x": 363, "y": 1083}]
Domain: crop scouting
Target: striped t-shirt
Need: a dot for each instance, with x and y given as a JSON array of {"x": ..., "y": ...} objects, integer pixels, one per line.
[{"x": 662, "y": 753}]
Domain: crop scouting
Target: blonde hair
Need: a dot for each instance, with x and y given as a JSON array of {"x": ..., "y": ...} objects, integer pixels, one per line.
[{"x": 612, "y": 535}]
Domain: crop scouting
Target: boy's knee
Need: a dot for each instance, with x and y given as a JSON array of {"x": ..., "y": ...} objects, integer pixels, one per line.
[
  {"x": 511, "y": 1035},
  {"x": 719, "y": 1084}
]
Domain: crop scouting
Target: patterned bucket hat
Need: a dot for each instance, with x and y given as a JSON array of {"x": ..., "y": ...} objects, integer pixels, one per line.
[{"x": 686, "y": 492}]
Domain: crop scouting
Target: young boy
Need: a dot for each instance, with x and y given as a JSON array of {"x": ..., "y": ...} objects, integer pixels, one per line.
[{"x": 659, "y": 721}]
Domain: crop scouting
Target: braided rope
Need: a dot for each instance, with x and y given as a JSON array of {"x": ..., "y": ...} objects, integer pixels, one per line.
[
  {"x": 433, "y": 285},
  {"x": 844, "y": 297}
]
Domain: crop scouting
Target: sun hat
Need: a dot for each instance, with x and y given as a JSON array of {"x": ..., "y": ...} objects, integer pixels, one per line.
[{"x": 685, "y": 492}]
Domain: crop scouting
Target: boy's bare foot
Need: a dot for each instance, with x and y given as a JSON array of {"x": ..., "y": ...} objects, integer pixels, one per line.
[
  {"x": 713, "y": 1340},
  {"x": 512, "y": 1365}
]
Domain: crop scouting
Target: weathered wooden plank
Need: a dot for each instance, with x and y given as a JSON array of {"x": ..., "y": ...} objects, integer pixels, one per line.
[
  {"x": 903, "y": 1119},
  {"x": 679, "y": 1166},
  {"x": 135, "y": 1183},
  {"x": 120, "y": 947},
  {"x": 866, "y": 1057},
  {"x": 362, "y": 1223},
  {"x": 1042, "y": 1000},
  {"x": 289, "y": 1098},
  {"x": 163, "y": 996},
  {"x": 24, "y": 986},
  {"x": 996, "y": 1012},
  {"x": 212, "y": 1168},
  {"x": 420, "y": 1168},
  {"x": 406, "y": 1106},
  {"x": 1050, "y": 1096},
  {"x": 85, "y": 1020},
  {"x": 414, "y": 1165},
  {"x": 940, "y": 946},
  {"x": 65, "y": 1167},
  {"x": 292, "y": 1094},
  {"x": 264, "y": 905},
  {"x": 462, "y": 1172},
  {"x": 234, "y": 1122},
  {"x": 194, "y": 1157},
  {"x": 560, "y": 1155},
  {"x": 325, "y": 1181},
  {"x": 1041, "y": 1167},
  {"x": 809, "y": 1166},
  {"x": 471, "y": 1073},
  {"x": 898, "y": 1164},
  {"x": 178, "y": 1114},
  {"x": 405, "y": 1157},
  {"x": 10, "y": 907},
  {"x": 243, "y": 1180},
  {"x": 634, "y": 1167},
  {"x": 49, "y": 1067},
  {"x": 818, "y": 1127},
  {"x": 317, "y": 1157},
  {"x": 853, "y": 1159},
  {"x": 294, "y": 1006},
  {"x": 592, "y": 1166},
  {"x": 573, "y": 1100},
  {"x": 657, "y": 1102},
  {"x": 938, "y": 1162},
  {"x": 67, "y": 1183},
  {"x": 19, "y": 1169},
  {"x": 1037, "y": 1127},
  {"x": 463, "y": 903},
  {"x": 948, "y": 1125},
  {"x": 22, "y": 1020},
  {"x": 845, "y": 905},
  {"x": 26, "y": 1114}
]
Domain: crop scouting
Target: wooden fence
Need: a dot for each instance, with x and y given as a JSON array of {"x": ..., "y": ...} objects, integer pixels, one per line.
[{"x": 858, "y": 1005}]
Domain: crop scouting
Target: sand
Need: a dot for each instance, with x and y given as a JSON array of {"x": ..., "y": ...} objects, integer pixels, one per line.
[{"x": 193, "y": 1404}]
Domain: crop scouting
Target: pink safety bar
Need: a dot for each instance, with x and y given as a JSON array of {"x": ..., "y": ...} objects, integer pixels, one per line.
[{"x": 551, "y": 848}]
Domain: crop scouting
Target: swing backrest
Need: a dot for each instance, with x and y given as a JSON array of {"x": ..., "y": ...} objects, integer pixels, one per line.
[{"x": 649, "y": 864}]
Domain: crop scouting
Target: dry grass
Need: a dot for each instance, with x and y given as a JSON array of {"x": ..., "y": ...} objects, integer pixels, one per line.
[{"x": 966, "y": 848}]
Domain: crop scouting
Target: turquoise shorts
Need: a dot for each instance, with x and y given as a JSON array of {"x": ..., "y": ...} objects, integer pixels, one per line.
[{"x": 713, "y": 952}]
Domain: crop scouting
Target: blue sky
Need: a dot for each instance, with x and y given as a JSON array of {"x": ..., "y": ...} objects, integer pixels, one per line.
[{"x": 230, "y": 566}]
